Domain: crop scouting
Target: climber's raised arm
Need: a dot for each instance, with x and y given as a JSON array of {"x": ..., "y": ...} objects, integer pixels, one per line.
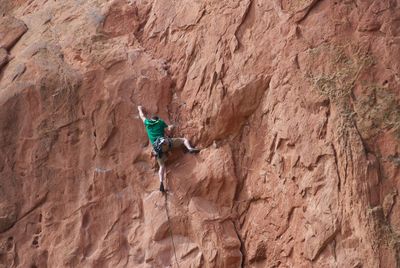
[{"x": 141, "y": 114}]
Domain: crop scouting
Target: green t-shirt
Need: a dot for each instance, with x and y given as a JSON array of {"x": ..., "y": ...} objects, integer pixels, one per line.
[{"x": 154, "y": 129}]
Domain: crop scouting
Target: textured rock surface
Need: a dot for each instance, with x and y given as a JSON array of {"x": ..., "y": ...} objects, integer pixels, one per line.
[
  {"x": 295, "y": 104},
  {"x": 11, "y": 29},
  {"x": 3, "y": 57}
]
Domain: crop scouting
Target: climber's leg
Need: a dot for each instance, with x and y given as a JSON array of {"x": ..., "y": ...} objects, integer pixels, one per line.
[
  {"x": 177, "y": 142},
  {"x": 161, "y": 172}
]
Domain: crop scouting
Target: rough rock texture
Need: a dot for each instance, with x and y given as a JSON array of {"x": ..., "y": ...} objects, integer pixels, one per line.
[
  {"x": 295, "y": 104},
  {"x": 3, "y": 57},
  {"x": 11, "y": 29}
]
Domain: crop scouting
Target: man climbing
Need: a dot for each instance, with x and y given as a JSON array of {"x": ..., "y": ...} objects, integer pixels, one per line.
[{"x": 155, "y": 128}]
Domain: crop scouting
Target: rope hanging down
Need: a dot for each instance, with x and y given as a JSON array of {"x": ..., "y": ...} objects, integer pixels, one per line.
[{"x": 170, "y": 229}]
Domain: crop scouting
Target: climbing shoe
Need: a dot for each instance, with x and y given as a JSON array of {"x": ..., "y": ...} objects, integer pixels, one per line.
[
  {"x": 194, "y": 151},
  {"x": 162, "y": 187}
]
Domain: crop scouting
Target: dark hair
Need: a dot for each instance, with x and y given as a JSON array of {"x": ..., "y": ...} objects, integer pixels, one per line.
[{"x": 154, "y": 117}]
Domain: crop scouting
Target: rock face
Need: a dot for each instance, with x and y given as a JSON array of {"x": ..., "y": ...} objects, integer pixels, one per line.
[
  {"x": 11, "y": 29},
  {"x": 294, "y": 103}
]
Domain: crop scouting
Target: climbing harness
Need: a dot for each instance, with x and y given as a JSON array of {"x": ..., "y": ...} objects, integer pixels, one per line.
[
  {"x": 159, "y": 149},
  {"x": 169, "y": 227}
]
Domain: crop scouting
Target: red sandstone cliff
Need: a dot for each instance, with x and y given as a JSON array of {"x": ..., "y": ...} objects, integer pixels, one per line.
[{"x": 295, "y": 104}]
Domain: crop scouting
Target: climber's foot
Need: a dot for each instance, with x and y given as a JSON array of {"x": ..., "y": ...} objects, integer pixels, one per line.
[
  {"x": 194, "y": 151},
  {"x": 162, "y": 187}
]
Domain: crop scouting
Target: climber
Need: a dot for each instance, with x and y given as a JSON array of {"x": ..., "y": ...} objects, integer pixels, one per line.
[{"x": 155, "y": 128}]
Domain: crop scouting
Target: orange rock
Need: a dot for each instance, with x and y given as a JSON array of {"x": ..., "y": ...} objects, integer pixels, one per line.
[
  {"x": 3, "y": 57},
  {"x": 11, "y": 29},
  {"x": 295, "y": 106}
]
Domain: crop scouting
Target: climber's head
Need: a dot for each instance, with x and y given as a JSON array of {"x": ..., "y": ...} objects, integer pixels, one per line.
[{"x": 155, "y": 117}]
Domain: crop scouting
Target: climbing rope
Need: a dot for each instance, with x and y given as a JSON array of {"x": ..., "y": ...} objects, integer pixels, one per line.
[{"x": 169, "y": 227}]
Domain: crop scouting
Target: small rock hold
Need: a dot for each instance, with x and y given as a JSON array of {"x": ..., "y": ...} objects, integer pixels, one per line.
[
  {"x": 11, "y": 29},
  {"x": 3, "y": 57},
  {"x": 18, "y": 71},
  {"x": 388, "y": 203},
  {"x": 369, "y": 24},
  {"x": 8, "y": 216}
]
